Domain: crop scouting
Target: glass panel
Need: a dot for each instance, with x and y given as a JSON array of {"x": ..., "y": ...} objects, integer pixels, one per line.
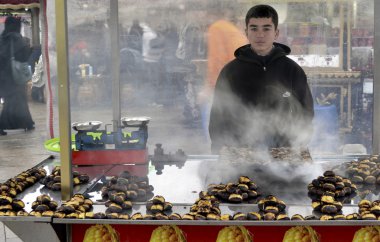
[
  {"x": 313, "y": 29},
  {"x": 362, "y": 37},
  {"x": 165, "y": 70}
]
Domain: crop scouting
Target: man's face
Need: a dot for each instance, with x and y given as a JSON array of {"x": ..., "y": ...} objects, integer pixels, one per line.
[{"x": 261, "y": 34}]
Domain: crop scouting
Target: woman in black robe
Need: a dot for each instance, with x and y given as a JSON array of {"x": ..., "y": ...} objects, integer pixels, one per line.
[{"x": 15, "y": 113}]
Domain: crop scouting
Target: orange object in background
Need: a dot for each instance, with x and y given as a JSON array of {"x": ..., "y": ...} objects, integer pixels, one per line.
[{"x": 223, "y": 38}]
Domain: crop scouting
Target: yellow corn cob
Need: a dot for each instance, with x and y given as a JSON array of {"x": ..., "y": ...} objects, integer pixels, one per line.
[
  {"x": 369, "y": 233},
  {"x": 101, "y": 233},
  {"x": 301, "y": 234},
  {"x": 234, "y": 234},
  {"x": 167, "y": 233}
]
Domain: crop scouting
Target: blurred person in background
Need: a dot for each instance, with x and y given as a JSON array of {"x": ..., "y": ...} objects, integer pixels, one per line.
[
  {"x": 160, "y": 62},
  {"x": 153, "y": 49},
  {"x": 223, "y": 38},
  {"x": 131, "y": 60},
  {"x": 15, "y": 113},
  {"x": 192, "y": 47},
  {"x": 172, "y": 92},
  {"x": 135, "y": 36},
  {"x": 34, "y": 56},
  {"x": 38, "y": 82},
  {"x": 261, "y": 97},
  {"x": 79, "y": 54}
]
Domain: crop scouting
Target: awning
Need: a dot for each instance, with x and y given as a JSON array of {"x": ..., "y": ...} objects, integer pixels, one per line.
[{"x": 19, "y": 4}]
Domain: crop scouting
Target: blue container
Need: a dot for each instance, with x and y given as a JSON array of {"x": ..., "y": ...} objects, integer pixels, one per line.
[
  {"x": 326, "y": 119},
  {"x": 326, "y": 129}
]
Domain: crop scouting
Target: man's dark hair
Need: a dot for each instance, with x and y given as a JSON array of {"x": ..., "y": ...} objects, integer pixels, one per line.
[{"x": 262, "y": 11}]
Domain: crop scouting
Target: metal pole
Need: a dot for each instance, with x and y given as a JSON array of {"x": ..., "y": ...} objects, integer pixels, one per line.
[
  {"x": 115, "y": 55},
  {"x": 376, "y": 82},
  {"x": 63, "y": 98},
  {"x": 35, "y": 26}
]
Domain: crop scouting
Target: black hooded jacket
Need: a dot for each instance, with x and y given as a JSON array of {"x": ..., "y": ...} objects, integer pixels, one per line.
[{"x": 261, "y": 101}]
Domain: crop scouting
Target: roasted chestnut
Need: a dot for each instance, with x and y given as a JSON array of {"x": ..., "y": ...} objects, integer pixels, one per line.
[
  {"x": 22, "y": 213},
  {"x": 158, "y": 199},
  {"x": 114, "y": 208},
  {"x": 225, "y": 217},
  {"x": 271, "y": 209},
  {"x": 148, "y": 217},
  {"x": 244, "y": 179},
  {"x": 175, "y": 216},
  {"x": 235, "y": 198},
  {"x": 239, "y": 216},
  {"x": 126, "y": 205},
  {"x": 199, "y": 217},
  {"x": 124, "y": 216},
  {"x": 89, "y": 215},
  {"x": 187, "y": 217},
  {"x": 282, "y": 217},
  {"x": 269, "y": 216},
  {"x": 168, "y": 206},
  {"x": 59, "y": 215},
  {"x": 100, "y": 215},
  {"x": 253, "y": 216},
  {"x": 297, "y": 217},
  {"x": 329, "y": 209},
  {"x": 42, "y": 208},
  {"x": 339, "y": 217},
  {"x": 35, "y": 214},
  {"x": 326, "y": 217},
  {"x": 137, "y": 216},
  {"x": 311, "y": 217},
  {"x": 212, "y": 216},
  {"x": 368, "y": 216},
  {"x": 47, "y": 214},
  {"x": 18, "y": 204},
  {"x": 5, "y": 200}
]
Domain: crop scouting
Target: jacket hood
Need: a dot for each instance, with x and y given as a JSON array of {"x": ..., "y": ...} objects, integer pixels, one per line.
[{"x": 245, "y": 53}]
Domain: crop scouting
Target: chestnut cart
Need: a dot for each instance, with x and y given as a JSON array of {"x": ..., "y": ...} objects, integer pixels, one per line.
[
  {"x": 179, "y": 183},
  {"x": 181, "y": 186}
]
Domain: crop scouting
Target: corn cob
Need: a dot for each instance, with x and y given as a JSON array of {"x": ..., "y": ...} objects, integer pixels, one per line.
[
  {"x": 169, "y": 233},
  {"x": 301, "y": 234},
  {"x": 369, "y": 233},
  {"x": 101, "y": 233},
  {"x": 234, "y": 234}
]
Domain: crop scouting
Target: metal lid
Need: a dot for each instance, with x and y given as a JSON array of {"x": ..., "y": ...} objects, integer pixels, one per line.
[
  {"x": 86, "y": 126},
  {"x": 135, "y": 121}
]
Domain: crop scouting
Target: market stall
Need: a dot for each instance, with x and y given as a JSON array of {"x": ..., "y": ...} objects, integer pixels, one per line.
[
  {"x": 202, "y": 222},
  {"x": 110, "y": 183}
]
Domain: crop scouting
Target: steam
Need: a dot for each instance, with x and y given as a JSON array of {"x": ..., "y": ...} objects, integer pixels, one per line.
[
  {"x": 285, "y": 179},
  {"x": 279, "y": 121},
  {"x": 275, "y": 119}
]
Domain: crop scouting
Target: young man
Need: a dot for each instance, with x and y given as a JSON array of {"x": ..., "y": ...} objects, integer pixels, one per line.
[{"x": 261, "y": 97}]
